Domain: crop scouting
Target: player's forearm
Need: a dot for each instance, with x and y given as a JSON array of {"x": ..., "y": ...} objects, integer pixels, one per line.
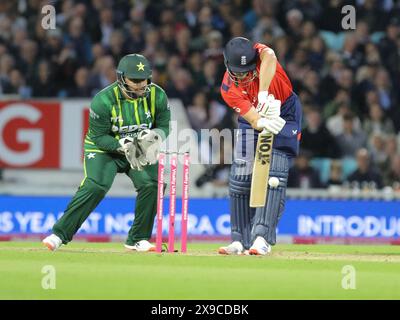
[
  {"x": 163, "y": 123},
  {"x": 252, "y": 117},
  {"x": 163, "y": 131},
  {"x": 267, "y": 69},
  {"x": 106, "y": 142}
]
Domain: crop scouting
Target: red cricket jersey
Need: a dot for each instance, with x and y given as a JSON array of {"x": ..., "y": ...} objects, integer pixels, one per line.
[{"x": 241, "y": 99}]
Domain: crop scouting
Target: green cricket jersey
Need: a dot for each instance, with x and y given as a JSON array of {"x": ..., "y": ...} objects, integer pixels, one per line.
[{"x": 113, "y": 116}]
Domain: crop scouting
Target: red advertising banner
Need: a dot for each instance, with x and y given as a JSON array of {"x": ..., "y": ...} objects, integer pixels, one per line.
[{"x": 29, "y": 134}]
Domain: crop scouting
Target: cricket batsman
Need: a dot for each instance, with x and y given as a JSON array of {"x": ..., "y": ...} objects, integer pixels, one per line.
[
  {"x": 256, "y": 86},
  {"x": 128, "y": 121}
]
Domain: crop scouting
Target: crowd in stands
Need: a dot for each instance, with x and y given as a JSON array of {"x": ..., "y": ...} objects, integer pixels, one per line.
[{"x": 348, "y": 80}]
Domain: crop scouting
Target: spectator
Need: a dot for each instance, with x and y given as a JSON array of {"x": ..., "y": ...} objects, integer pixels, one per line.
[
  {"x": 183, "y": 38},
  {"x": 214, "y": 46},
  {"x": 52, "y": 46},
  {"x": 152, "y": 43},
  {"x": 211, "y": 76},
  {"x": 351, "y": 139},
  {"x": 372, "y": 55},
  {"x": 376, "y": 147},
  {"x": 298, "y": 67},
  {"x": 17, "y": 85},
  {"x": 237, "y": 29},
  {"x": 266, "y": 24},
  {"x": 200, "y": 41},
  {"x": 335, "y": 123},
  {"x": 317, "y": 53},
  {"x": 181, "y": 86},
  {"x": 196, "y": 67},
  {"x": 28, "y": 59},
  {"x": 135, "y": 40},
  {"x": 377, "y": 122},
  {"x": 308, "y": 31},
  {"x": 98, "y": 51},
  {"x": 106, "y": 26},
  {"x": 281, "y": 47},
  {"x": 294, "y": 20},
  {"x": 116, "y": 45},
  {"x": 392, "y": 177},
  {"x": 332, "y": 13},
  {"x": 388, "y": 46},
  {"x": 371, "y": 12},
  {"x": 317, "y": 139},
  {"x": 311, "y": 9},
  {"x": 66, "y": 13},
  {"x": 78, "y": 40},
  {"x": 335, "y": 174},
  {"x": 168, "y": 40},
  {"x": 44, "y": 85},
  {"x": 199, "y": 112},
  {"x": 257, "y": 11},
  {"x": 82, "y": 87},
  {"x": 173, "y": 64},
  {"x": 329, "y": 85},
  {"x": 391, "y": 147},
  {"x": 352, "y": 58},
  {"x": 7, "y": 63},
  {"x": 189, "y": 14},
  {"x": 311, "y": 83},
  {"x": 365, "y": 176},
  {"x": 302, "y": 175},
  {"x": 103, "y": 73},
  {"x": 384, "y": 88},
  {"x": 342, "y": 98}
]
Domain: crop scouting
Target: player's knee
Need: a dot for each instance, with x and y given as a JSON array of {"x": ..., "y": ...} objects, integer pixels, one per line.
[
  {"x": 96, "y": 188},
  {"x": 279, "y": 170},
  {"x": 240, "y": 178},
  {"x": 148, "y": 185}
]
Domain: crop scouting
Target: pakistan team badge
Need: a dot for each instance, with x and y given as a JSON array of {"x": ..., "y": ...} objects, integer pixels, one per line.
[{"x": 140, "y": 66}]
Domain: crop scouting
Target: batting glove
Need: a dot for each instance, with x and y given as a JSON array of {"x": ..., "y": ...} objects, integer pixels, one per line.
[
  {"x": 273, "y": 125},
  {"x": 268, "y": 107}
]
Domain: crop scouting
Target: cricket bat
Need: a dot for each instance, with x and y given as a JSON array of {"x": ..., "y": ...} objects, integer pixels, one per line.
[{"x": 262, "y": 161}]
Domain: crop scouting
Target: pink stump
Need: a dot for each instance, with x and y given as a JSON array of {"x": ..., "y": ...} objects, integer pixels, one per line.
[
  {"x": 185, "y": 200},
  {"x": 172, "y": 202},
  {"x": 160, "y": 200}
]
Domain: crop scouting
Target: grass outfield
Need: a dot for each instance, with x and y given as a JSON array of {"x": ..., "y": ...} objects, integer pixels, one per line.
[{"x": 107, "y": 271}]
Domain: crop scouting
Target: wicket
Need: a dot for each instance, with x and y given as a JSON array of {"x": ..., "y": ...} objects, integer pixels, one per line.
[{"x": 172, "y": 199}]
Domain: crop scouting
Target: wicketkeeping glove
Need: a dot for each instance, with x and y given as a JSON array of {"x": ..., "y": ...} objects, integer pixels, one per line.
[
  {"x": 133, "y": 152},
  {"x": 150, "y": 143}
]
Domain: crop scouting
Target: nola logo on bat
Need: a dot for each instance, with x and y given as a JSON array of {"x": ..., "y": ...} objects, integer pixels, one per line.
[{"x": 264, "y": 150}]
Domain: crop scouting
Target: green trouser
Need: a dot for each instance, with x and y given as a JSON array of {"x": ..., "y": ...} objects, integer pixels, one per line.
[{"x": 100, "y": 171}]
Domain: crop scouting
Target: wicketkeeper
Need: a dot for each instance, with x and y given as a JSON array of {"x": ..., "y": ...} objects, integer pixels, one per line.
[
  {"x": 128, "y": 121},
  {"x": 256, "y": 86}
]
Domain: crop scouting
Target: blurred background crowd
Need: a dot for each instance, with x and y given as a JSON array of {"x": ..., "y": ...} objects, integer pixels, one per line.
[{"x": 348, "y": 80}]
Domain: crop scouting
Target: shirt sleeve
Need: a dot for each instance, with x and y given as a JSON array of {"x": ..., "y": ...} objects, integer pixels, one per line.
[
  {"x": 100, "y": 126},
  {"x": 237, "y": 103},
  {"x": 163, "y": 115},
  {"x": 260, "y": 47}
]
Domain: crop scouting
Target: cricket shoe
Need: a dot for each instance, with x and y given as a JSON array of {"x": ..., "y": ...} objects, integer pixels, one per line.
[
  {"x": 52, "y": 242},
  {"x": 141, "y": 246},
  {"x": 235, "y": 248},
  {"x": 260, "y": 247}
]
